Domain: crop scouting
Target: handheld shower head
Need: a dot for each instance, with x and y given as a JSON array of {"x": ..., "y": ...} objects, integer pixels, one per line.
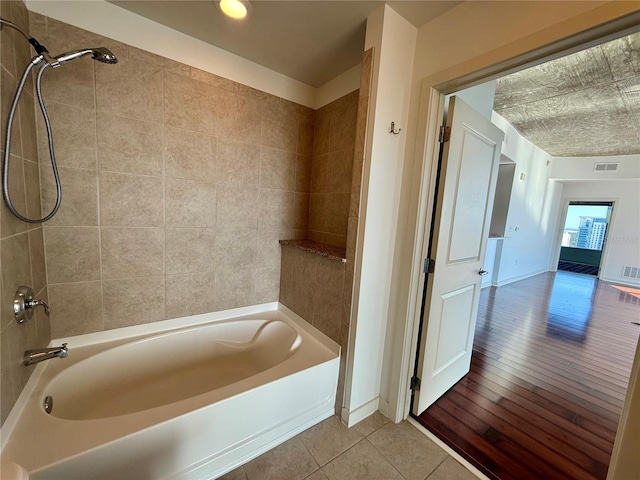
[
  {"x": 104, "y": 55},
  {"x": 100, "y": 54}
]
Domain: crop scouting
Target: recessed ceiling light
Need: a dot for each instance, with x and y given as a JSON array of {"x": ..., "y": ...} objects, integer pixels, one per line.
[{"x": 236, "y": 9}]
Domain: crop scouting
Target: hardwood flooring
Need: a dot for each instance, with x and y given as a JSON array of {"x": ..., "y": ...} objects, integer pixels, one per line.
[{"x": 550, "y": 368}]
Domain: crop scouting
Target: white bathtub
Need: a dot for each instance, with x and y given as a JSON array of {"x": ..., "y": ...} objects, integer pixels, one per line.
[{"x": 189, "y": 398}]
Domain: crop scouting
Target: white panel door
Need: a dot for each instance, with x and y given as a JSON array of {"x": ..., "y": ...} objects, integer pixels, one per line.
[{"x": 468, "y": 175}]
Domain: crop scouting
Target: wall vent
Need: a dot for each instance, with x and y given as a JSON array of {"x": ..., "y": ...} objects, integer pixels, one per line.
[
  {"x": 631, "y": 272},
  {"x": 605, "y": 167}
]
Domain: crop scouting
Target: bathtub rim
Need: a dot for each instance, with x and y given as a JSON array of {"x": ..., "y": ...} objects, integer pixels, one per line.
[{"x": 136, "y": 332}]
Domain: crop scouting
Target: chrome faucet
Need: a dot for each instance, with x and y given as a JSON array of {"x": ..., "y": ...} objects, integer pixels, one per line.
[{"x": 40, "y": 354}]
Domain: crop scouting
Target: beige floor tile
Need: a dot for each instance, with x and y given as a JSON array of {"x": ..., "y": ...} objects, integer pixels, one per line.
[
  {"x": 408, "y": 450},
  {"x": 451, "y": 470},
  {"x": 289, "y": 461},
  {"x": 362, "y": 461},
  {"x": 372, "y": 423},
  {"x": 389, "y": 452},
  {"x": 237, "y": 474},
  {"x": 329, "y": 439},
  {"x": 317, "y": 475}
]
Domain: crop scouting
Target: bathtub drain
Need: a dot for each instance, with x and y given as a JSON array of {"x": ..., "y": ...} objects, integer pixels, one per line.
[{"x": 48, "y": 404}]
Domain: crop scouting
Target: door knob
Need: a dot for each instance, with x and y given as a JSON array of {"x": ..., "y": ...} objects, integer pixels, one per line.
[{"x": 482, "y": 272}]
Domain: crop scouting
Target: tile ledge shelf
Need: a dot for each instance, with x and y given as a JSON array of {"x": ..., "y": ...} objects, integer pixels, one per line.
[{"x": 331, "y": 252}]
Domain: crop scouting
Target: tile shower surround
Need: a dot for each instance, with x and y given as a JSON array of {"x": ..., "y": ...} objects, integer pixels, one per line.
[
  {"x": 332, "y": 167},
  {"x": 177, "y": 185},
  {"x": 21, "y": 244}
]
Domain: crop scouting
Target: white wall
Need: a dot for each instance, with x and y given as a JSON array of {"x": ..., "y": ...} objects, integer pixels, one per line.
[
  {"x": 338, "y": 87},
  {"x": 479, "y": 97},
  {"x": 623, "y": 239},
  {"x": 492, "y": 261},
  {"x": 393, "y": 40},
  {"x": 477, "y": 34},
  {"x": 581, "y": 168},
  {"x": 124, "y": 26},
  {"x": 581, "y": 182},
  {"x": 535, "y": 204}
]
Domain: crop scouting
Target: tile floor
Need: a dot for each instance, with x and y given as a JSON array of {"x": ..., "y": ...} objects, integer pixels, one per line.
[{"x": 374, "y": 449}]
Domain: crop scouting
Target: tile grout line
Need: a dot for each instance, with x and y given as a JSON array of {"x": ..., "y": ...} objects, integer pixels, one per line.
[
  {"x": 353, "y": 446},
  {"x": 164, "y": 193},
  {"x": 377, "y": 429},
  {"x": 40, "y": 192},
  {"x": 31, "y": 275},
  {"x": 438, "y": 466},
  {"x": 98, "y": 216},
  {"x": 382, "y": 455}
]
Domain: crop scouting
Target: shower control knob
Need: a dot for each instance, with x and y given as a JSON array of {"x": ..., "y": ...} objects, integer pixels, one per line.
[{"x": 24, "y": 303}]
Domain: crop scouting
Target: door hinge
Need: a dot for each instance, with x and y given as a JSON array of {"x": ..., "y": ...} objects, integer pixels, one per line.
[
  {"x": 415, "y": 383},
  {"x": 445, "y": 134},
  {"x": 429, "y": 265}
]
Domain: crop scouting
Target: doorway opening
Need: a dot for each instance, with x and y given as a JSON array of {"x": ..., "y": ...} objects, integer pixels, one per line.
[
  {"x": 584, "y": 237},
  {"x": 536, "y": 384}
]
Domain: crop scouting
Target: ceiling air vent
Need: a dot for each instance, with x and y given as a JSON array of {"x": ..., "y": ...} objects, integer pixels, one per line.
[{"x": 605, "y": 167}]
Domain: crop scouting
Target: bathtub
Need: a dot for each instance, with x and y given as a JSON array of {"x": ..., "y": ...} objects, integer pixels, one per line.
[{"x": 188, "y": 398}]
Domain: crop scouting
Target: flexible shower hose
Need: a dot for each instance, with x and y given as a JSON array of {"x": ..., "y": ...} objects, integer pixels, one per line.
[{"x": 7, "y": 150}]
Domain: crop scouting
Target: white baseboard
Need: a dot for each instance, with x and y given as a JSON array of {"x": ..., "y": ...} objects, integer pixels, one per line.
[
  {"x": 384, "y": 408},
  {"x": 619, "y": 281},
  {"x": 360, "y": 413},
  {"x": 502, "y": 283}
]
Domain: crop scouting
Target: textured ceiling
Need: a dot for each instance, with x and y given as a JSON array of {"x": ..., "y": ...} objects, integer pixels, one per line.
[
  {"x": 311, "y": 41},
  {"x": 585, "y": 104}
]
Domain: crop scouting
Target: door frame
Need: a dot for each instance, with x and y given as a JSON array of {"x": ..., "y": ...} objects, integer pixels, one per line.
[
  {"x": 562, "y": 218},
  {"x": 427, "y": 147},
  {"x": 432, "y": 94}
]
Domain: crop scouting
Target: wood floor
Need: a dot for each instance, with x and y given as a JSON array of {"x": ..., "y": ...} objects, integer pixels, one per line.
[{"x": 550, "y": 367}]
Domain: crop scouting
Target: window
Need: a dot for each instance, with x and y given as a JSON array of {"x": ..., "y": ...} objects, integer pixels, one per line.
[{"x": 586, "y": 225}]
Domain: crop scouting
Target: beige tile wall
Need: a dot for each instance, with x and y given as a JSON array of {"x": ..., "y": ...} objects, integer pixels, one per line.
[
  {"x": 177, "y": 186},
  {"x": 333, "y": 143},
  {"x": 311, "y": 286},
  {"x": 21, "y": 244},
  {"x": 316, "y": 288}
]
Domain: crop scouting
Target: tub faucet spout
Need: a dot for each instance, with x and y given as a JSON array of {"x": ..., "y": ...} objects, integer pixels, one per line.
[{"x": 40, "y": 354}]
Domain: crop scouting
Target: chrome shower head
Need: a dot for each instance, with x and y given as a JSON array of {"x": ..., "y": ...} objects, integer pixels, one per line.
[
  {"x": 104, "y": 55},
  {"x": 100, "y": 54}
]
